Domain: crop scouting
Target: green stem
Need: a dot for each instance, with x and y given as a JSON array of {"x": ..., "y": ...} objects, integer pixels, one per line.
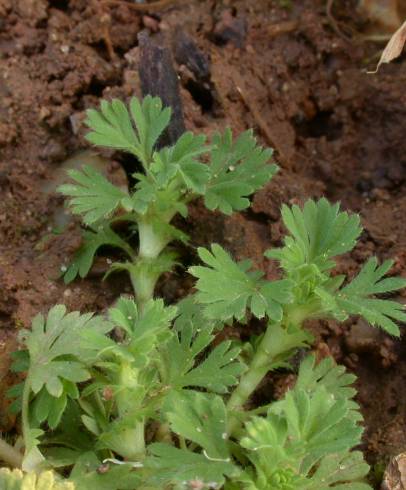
[
  {"x": 139, "y": 440},
  {"x": 297, "y": 314},
  {"x": 144, "y": 275},
  {"x": 131, "y": 443},
  {"x": 278, "y": 343},
  {"x": 151, "y": 242},
  {"x": 143, "y": 279},
  {"x": 182, "y": 442},
  {"x": 257, "y": 370},
  {"x": 25, "y": 410},
  {"x": 143, "y": 283},
  {"x": 10, "y": 455}
]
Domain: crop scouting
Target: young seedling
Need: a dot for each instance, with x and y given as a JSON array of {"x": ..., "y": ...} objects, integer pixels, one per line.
[
  {"x": 170, "y": 179},
  {"x": 144, "y": 399}
]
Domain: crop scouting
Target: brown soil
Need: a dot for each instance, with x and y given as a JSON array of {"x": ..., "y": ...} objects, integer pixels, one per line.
[{"x": 286, "y": 72}]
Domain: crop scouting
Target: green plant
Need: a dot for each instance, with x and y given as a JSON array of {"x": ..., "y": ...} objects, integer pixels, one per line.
[
  {"x": 170, "y": 178},
  {"x": 149, "y": 398}
]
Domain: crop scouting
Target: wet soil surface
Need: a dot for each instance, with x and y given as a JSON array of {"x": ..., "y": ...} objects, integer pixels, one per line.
[{"x": 286, "y": 72}]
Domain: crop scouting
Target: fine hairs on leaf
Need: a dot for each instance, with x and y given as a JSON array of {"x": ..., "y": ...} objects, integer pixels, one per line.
[{"x": 162, "y": 395}]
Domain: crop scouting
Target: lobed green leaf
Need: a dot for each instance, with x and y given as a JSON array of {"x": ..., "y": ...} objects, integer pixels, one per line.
[
  {"x": 355, "y": 299},
  {"x": 171, "y": 465},
  {"x": 92, "y": 196},
  {"x": 227, "y": 289},
  {"x": 92, "y": 240},
  {"x": 237, "y": 170},
  {"x": 317, "y": 233},
  {"x": 200, "y": 418},
  {"x": 113, "y": 127}
]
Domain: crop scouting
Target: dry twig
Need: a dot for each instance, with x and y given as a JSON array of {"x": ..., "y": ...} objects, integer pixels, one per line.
[{"x": 105, "y": 21}]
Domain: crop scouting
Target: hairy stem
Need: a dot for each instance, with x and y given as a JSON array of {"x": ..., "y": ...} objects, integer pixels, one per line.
[
  {"x": 130, "y": 442},
  {"x": 258, "y": 368},
  {"x": 151, "y": 242},
  {"x": 278, "y": 343},
  {"x": 139, "y": 442},
  {"x": 10, "y": 455},
  {"x": 143, "y": 283},
  {"x": 144, "y": 277}
]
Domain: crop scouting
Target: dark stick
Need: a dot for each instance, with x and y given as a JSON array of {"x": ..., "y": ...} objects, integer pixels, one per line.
[{"x": 159, "y": 78}]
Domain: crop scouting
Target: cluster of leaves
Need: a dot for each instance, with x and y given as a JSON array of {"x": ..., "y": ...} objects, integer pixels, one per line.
[
  {"x": 155, "y": 374},
  {"x": 149, "y": 396},
  {"x": 305, "y": 439},
  {"x": 99, "y": 383},
  {"x": 171, "y": 178},
  {"x": 317, "y": 233}
]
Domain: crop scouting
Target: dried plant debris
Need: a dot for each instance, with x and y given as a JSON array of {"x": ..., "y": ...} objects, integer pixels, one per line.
[
  {"x": 394, "y": 47},
  {"x": 395, "y": 474}
]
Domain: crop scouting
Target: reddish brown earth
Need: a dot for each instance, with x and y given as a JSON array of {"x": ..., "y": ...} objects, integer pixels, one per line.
[{"x": 337, "y": 131}]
